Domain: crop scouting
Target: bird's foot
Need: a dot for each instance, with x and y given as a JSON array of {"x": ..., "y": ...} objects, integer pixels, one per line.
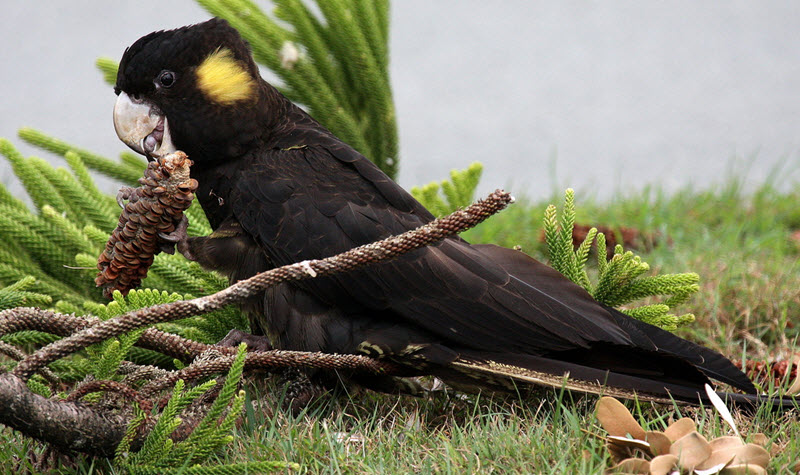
[
  {"x": 253, "y": 342},
  {"x": 177, "y": 239}
]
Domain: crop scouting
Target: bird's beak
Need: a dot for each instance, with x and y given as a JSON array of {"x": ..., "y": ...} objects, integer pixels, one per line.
[{"x": 142, "y": 127}]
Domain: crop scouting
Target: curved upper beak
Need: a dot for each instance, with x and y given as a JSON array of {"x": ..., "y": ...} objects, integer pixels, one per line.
[{"x": 142, "y": 127}]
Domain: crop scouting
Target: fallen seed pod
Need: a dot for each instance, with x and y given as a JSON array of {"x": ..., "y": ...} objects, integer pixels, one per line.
[{"x": 678, "y": 449}]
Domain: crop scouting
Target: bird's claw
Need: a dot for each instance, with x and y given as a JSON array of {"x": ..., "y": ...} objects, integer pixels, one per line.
[
  {"x": 123, "y": 194},
  {"x": 177, "y": 239}
]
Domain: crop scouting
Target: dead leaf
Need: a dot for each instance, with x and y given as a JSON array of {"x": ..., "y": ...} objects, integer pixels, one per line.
[
  {"x": 726, "y": 443},
  {"x": 716, "y": 462},
  {"x": 680, "y": 428},
  {"x": 691, "y": 449},
  {"x": 617, "y": 420},
  {"x": 743, "y": 470},
  {"x": 632, "y": 465},
  {"x": 752, "y": 454},
  {"x": 759, "y": 438},
  {"x": 629, "y": 443},
  {"x": 659, "y": 443},
  {"x": 663, "y": 464}
]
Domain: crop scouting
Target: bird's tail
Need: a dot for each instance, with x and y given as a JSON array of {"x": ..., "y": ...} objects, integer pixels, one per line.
[{"x": 506, "y": 372}]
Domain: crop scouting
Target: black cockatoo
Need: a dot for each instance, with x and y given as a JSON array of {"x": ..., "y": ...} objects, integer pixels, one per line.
[{"x": 279, "y": 188}]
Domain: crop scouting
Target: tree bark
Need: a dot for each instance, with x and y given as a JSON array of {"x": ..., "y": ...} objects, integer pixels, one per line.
[{"x": 68, "y": 426}]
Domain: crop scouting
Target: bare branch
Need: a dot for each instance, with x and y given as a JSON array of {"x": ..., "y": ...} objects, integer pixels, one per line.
[
  {"x": 16, "y": 354},
  {"x": 271, "y": 360},
  {"x": 124, "y": 390},
  {"x": 69, "y": 426},
  {"x": 72, "y": 426},
  {"x": 182, "y": 348}
]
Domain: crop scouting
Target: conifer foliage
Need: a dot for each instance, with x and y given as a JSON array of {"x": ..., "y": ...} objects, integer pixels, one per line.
[
  {"x": 621, "y": 278},
  {"x": 447, "y": 196},
  {"x": 160, "y": 455}
]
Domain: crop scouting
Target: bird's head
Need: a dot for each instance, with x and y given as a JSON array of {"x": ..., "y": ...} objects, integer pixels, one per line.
[{"x": 195, "y": 89}]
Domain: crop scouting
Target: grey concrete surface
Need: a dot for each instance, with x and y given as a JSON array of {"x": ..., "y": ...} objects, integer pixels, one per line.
[{"x": 595, "y": 95}]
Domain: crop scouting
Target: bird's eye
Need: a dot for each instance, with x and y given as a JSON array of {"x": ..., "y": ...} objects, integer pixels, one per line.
[{"x": 166, "y": 79}]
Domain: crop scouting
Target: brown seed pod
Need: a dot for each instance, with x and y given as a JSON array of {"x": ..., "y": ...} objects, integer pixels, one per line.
[
  {"x": 678, "y": 449},
  {"x": 767, "y": 373},
  {"x": 155, "y": 207}
]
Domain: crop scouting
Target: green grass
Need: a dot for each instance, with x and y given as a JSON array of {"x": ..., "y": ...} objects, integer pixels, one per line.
[
  {"x": 748, "y": 306},
  {"x": 551, "y": 433}
]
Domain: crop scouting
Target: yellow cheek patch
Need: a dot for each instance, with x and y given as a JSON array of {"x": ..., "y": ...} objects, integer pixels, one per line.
[{"x": 223, "y": 79}]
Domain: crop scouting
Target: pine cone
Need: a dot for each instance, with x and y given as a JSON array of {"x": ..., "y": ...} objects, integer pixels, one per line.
[
  {"x": 155, "y": 207},
  {"x": 769, "y": 373}
]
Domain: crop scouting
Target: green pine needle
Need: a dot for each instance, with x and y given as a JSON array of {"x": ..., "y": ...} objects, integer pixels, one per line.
[
  {"x": 108, "y": 67},
  {"x": 621, "y": 279},
  {"x": 159, "y": 454},
  {"x": 444, "y": 197},
  {"x": 121, "y": 171},
  {"x": 16, "y": 295}
]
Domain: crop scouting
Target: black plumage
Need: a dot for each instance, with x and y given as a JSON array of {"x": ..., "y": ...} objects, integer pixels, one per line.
[{"x": 279, "y": 188}]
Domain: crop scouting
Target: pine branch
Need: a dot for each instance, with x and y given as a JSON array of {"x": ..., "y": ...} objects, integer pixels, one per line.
[
  {"x": 29, "y": 174},
  {"x": 69, "y": 426},
  {"x": 121, "y": 171},
  {"x": 338, "y": 70},
  {"x": 34, "y": 235},
  {"x": 17, "y": 295},
  {"x": 168, "y": 447},
  {"x": 316, "y": 39},
  {"x": 86, "y": 424},
  {"x": 441, "y": 198},
  {"x": 109, "y": 69},
  {"x": 621, "y": 278},
  {"x": 196, "y": 446}
]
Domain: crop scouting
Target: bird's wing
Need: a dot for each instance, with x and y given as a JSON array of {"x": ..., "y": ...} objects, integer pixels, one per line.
[
  {"x": 305, "y": 204},
  {"x": 317, "y": 201}
]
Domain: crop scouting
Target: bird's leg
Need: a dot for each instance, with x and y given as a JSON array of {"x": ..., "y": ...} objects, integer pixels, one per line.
[
  {"x": 177, "y": 239},
  {"x": 227, "y": 250}
]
